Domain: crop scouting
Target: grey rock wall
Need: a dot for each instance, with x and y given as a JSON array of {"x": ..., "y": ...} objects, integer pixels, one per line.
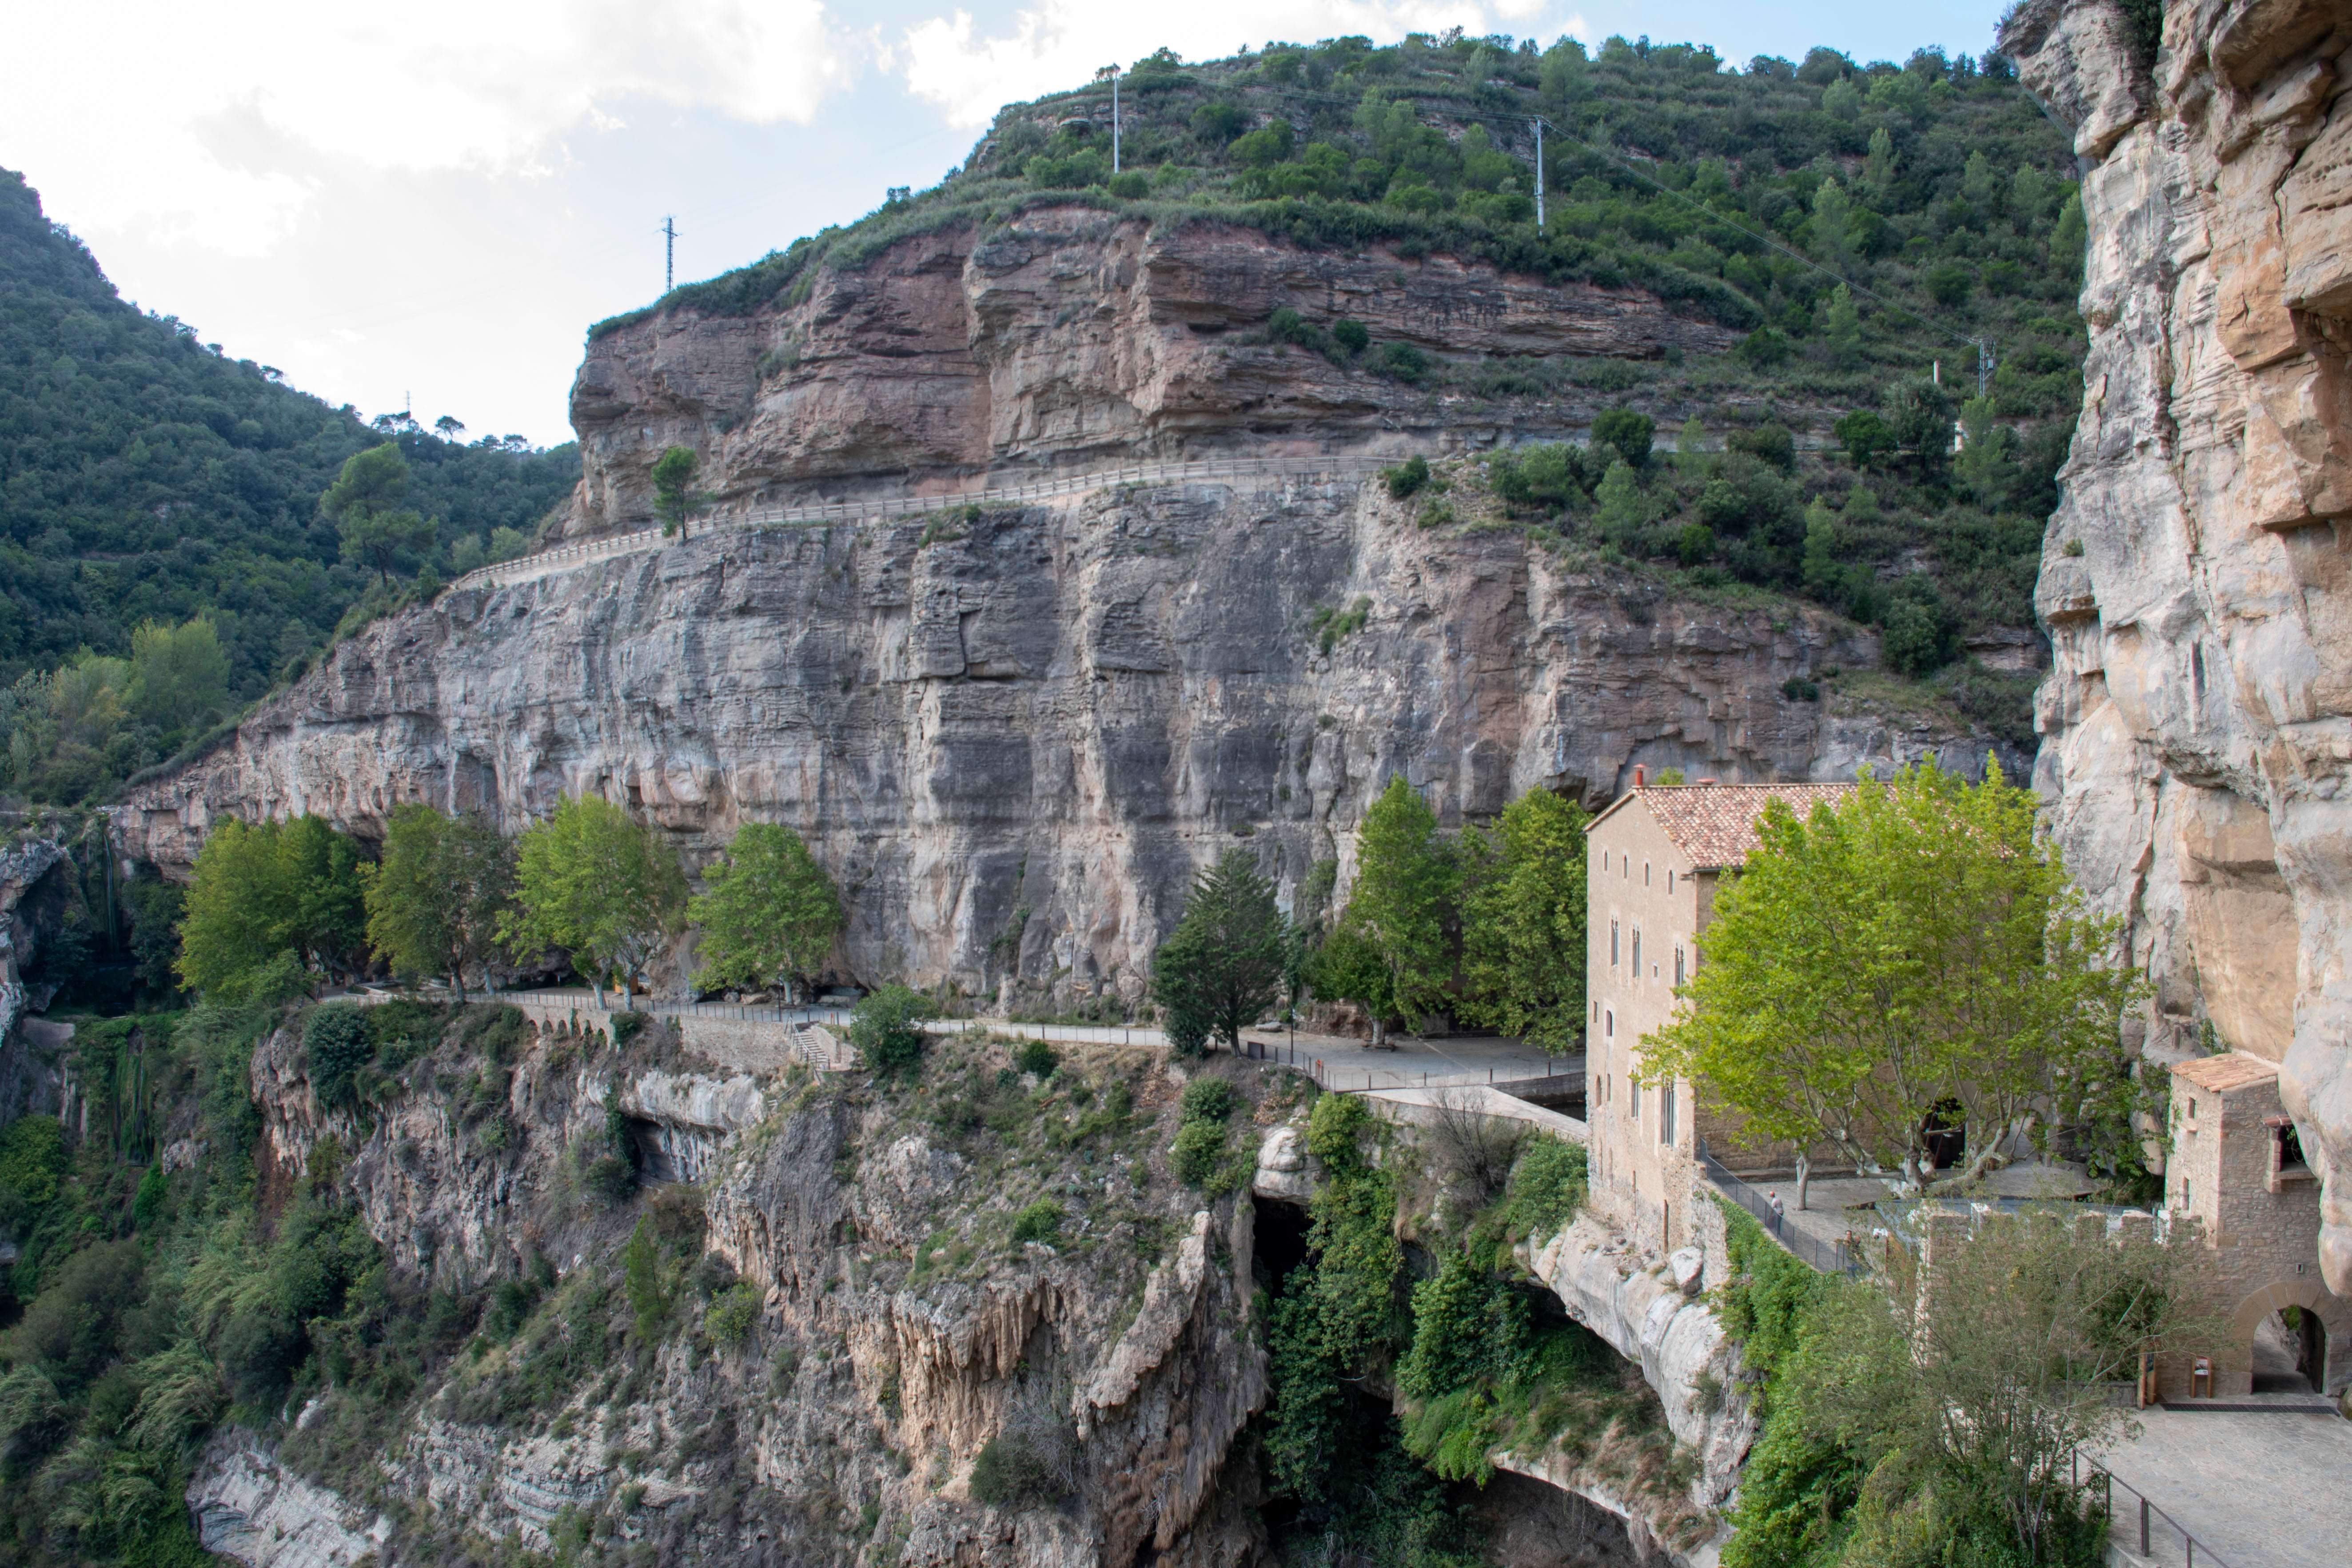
[
  {"x": 1012, "y": 739},
  {"x": 2197, "y": 720}
]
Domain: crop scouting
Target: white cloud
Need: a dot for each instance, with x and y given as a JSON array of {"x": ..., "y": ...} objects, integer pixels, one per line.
[
  {"x": 215, "y": 124},
  {"x": 971, "y": 72}
]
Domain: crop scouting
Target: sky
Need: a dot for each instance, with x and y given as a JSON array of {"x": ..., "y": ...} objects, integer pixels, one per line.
[{"x": 425, "y": 210}]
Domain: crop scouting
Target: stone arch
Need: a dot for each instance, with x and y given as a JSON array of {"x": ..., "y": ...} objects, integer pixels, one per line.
[{"x": 2334, "y": 1312}]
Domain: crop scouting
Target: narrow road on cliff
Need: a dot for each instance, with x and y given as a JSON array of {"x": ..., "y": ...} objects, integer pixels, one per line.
[{"x": 567, "y": 557}]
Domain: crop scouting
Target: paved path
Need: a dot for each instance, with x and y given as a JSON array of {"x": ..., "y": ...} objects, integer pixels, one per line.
[
  {"x": 568, "y": 557},
  {"x": 2259, "y": 1491},
  {"x": 1419, "y": 1063}
]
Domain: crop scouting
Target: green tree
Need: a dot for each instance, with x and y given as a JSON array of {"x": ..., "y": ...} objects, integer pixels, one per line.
[
  {"x": 178, "y": 675},
  {"x": 1226, "y": 961},
  {"x": 1911, "y": 951},
  {"x": 1842, "y": 326},
  {"x": 365, "y": 505},
  {"x": 771, "y": 912},
  {"x": 592, "y": 881},
  {"x": 1831, "y": 211},
  {"x": 1523, "y": 922},
  {"x": 259, "y": 891},
  {"x": 1628, "y": 432},
  {"x": 1406, "y": 879},
  {"x": 674, "y": 493},
  {"x": 886, "y": 1027},
  {"x": 437, "y": 897}
]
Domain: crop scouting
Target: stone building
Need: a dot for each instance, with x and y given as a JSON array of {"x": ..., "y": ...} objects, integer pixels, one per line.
[
  {"x": 2237, "y": 1171},
  {"x": 1652, "y": 861}
]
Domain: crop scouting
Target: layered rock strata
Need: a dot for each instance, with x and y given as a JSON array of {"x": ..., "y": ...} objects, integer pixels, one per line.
[
  {"x": 1013, "y": 737},
  {"x": 2199, "y": 716},
  {"x": 1070, "y": 335}
]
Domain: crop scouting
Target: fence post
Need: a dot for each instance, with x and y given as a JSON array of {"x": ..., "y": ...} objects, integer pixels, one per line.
[{"x": 2143, "y": 1527}]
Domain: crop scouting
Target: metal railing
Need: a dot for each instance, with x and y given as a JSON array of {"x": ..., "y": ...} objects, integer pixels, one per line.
[
  {"x": 540, "y": 563},
  {"x": 2144, "y": 1532},
  {"x": 1823, "y": 1257}
]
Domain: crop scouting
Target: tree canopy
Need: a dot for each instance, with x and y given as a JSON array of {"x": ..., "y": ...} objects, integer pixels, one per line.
[
  {"x": 365, "y": 502},
  {"x": 1913, "y": 957},
  {"x": 269, "y": 892},
  {"x": 435, "y": 899},
  {"x": 1395, "y": 927},
  {"x": 770, "y": 912},
  {"x": 595, "y": 883},
  {"x": 1225, "y": 963},
  {"x": 1523, "y": 922}
]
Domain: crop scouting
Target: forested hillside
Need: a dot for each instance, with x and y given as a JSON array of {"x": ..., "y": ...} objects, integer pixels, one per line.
[
  {"x": 1863, "y": 227},
  {"x": 146, "y": 477}
]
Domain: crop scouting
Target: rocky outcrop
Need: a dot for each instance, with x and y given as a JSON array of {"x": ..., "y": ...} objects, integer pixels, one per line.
[
  {"x": 23, "y": 866},
  {"x": 250, "y": 1507},
  {"x": 1011, "y": 738},
  {"x": 1070, "y": 335},
  {"x": 2199, "y": 716},
  {"x": 1653, "y": 1314}
]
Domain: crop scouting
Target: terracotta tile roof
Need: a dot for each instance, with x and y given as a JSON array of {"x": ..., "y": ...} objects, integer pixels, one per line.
[
  {"x": 2231, "y": 1069},
  {"x": 1714, "y": 824}
]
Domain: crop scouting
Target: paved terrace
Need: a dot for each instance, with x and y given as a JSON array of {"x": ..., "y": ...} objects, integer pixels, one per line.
[
  {"x": 2255, "y": 1489},
  {"x": 1270, "y": 471}
]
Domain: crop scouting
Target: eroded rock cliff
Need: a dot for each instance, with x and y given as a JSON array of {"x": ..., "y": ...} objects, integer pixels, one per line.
[
  {"x": 1012, "y": 736},
  {"x": 2199, "y": 719},
  {"x": 828, "y": 1329},
  {"x": 1066, "y": 336}
]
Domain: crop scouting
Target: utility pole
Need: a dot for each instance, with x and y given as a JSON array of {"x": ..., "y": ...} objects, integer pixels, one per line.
[
  {"x": 1984, "y": 364},
  {"x": 1539, "y": 179},
  {"x": 669, "y": 254}
]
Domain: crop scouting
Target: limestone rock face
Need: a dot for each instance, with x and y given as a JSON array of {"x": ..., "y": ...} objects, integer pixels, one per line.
[
  {"x": 1012, "y": 740},
  {"x": 249, "y": 1507},
  {"x": 1647, "y": 1312},
  {"x": 1067, "y": 335},
  {"x": 2199, "y": 716}
]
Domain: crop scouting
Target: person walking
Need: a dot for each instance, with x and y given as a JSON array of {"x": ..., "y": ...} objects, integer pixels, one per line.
[{"x": 1779, "y": 1209}]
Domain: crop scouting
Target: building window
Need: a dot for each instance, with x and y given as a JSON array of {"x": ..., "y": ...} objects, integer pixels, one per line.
[
  {"x": 1678, "y": 964},
  {"x": 1609, "y": 1024},
  {"x": 1634, "y": 1100},
  {"x": 1645, "y": 873},
  {"x": 1637, "y": 952},
  {"x": 1612, "y": 945},
  {"x": 1666, "y": 1114},
  {"x": 2184, "y": 1193},
  {"x": 1670, "y": 881}
]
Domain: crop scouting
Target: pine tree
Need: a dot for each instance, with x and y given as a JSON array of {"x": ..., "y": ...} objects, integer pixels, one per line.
[{"x": 1225, "y": 961}]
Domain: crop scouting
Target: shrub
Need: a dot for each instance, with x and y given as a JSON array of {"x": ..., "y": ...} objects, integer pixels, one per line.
[
  {"x": 1040, "y": 1221},
  {"x": 1630, "y": 434},
  {"x": 338, "y": 1042},
  {"x": 1130, "y": 185},
  {"x": 1036, "y": 1057},
  {"x": 1766, "y": 348},
  {"x": 1335, "y": 1133},
  {"x": 32, "y": 1161},
  {"x": 887, "y": 1029},
  {"x": 1198, "y": 1153},
  {"x": 1188, "y": 1029},
  {"x": 1026, "y": 1466},
  {"x": 1404, "y": 361},
  {"x": 1548, "y": 1184},
  {"x": 1353, "y": 337},
  {"x": 732, "y": 1313},
  {"x": 1770, "y": 442},
  {"x": 1207, "y": 1100},
  {"x": 1797, "y": 688},
  {"x": 1406, "y": 478}
]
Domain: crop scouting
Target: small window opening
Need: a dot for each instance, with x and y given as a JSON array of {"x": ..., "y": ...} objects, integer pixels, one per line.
[
  {"x": 1612, "y": 945},
  {"x": 1670, "y": 881},
  {"x": 1637, "y": 952},
  {"x": 1666, "y": 1114},
  {"x": 1678, "y": 964},
  {"x": 1645, "y": 873},
  {"x": 1609, "y": 1024}
]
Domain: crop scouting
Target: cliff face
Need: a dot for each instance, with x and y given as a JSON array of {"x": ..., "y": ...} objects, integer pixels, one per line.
[
  {"x": 1013, "y": 737},
  {"x": 2199, "y": 718},
  {"x": 898, "y": 1320},
  {"x": 1070, "y": 335}
]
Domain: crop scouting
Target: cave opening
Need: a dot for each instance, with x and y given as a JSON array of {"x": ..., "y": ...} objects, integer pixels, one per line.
[{"x": 1281, "y": 1241}]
